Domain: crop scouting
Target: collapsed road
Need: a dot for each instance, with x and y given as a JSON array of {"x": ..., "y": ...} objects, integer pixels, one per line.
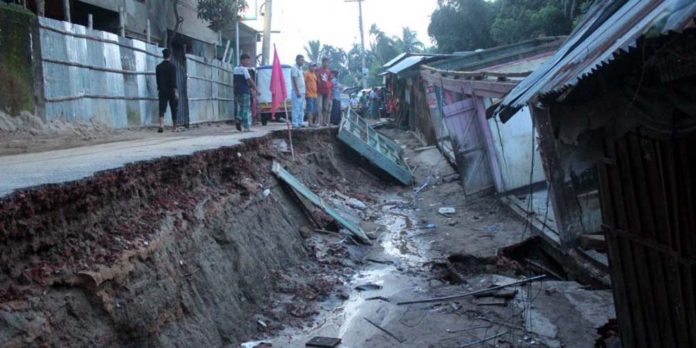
[{"x": 212, "y": 249}]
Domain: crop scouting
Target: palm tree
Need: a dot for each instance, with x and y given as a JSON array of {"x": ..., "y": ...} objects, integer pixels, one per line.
[
  {"x": 408, "y": 42},
  {"x": 382, "y": 46},
  {"x": 313, "y": 50}
]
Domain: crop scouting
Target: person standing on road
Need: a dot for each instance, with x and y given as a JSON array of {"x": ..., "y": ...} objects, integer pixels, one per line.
[
  {"x": 324, "y": 92},
  {"x": 166, "y": 87},
  {"x": 374, "y": 103},
  {"x": 243, "y": 87},
  {"x": 336, "y": 90},
  {"x": 310, "y": 78},
  {"x": 298, "y": 92}
]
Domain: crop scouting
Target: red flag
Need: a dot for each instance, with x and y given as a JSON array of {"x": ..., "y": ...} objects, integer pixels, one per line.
[{"x": 278, "y": 90}]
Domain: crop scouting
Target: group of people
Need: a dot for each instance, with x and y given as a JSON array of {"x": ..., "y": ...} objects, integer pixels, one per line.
[
  {"x": 244, "y": 89},
  {"x": 316, "y": 94},
  {"x": 372, "y": 103}
]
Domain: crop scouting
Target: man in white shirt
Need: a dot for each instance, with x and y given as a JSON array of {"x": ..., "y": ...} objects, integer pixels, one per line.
[{"x": 298, "y": 92}]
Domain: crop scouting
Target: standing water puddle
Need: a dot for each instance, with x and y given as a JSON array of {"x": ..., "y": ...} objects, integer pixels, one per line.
[{"x": 397, "y": 251}]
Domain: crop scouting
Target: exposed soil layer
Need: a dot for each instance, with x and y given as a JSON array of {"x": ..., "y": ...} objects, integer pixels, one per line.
[{"x": 183, "y": 249}]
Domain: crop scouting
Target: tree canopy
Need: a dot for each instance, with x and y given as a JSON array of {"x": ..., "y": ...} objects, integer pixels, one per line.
[
  {"x": 219, "y": 13},
  {"x": 379, "y": 49},
  {"x": 463, "y": 25}
]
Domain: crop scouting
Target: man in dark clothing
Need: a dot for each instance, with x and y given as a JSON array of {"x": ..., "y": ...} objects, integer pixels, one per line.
[
  {"x": 166, "y": 85},
  {"x": 244, "y": 86}
]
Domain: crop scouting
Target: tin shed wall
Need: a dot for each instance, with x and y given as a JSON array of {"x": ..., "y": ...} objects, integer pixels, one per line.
[{"x": 648, "y": 194}]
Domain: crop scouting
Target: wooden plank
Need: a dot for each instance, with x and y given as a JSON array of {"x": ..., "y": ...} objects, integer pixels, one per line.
[
  {"x": 618, "y": 277},
  {"x": 641, "y": 186},
  {"x": 563, "y": 198},
  {"x": 626, "y": 258},
  {"x": 633, "y": 226}
]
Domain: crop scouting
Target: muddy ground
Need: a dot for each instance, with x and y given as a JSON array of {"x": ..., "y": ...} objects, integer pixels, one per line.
[{"x": 212, "y": 250}]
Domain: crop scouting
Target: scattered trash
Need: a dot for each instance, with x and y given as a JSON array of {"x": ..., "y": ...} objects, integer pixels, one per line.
[
  {"x": 383, "y": 262},
  {"x": 323, "y": 342},
  {"x": 385, "y": 331},
  {"x": 446, "y": 211},
  {"x": 502, "y": 293},
  {"x": 489, "y": 301},
  {"x": 382, "y": 298},
  {"x": 484, "y": 339},
  {"x": 493, "y": 228},
  {"x": 368, "y": 287},
  {"x": 430, "y": 226},
  {"x": 260, "y": 322},
  {"x": 266, "y": 193},
  {"x": 482, "y": 291}
]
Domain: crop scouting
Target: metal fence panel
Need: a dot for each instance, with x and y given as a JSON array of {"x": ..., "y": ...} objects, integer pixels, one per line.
[
  {"x": 91, "y": 74},
  {"x": 210, "y": 93}
]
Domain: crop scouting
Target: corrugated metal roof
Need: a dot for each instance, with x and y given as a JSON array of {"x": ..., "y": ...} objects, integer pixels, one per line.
[
  {"x": 396, "y": 60},
  {"x": 610, "y": 27},
  {"x": 406, "y": 63}
]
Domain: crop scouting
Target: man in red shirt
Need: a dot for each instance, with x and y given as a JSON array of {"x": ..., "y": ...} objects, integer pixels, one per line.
[{"x": 324, "y": 85}]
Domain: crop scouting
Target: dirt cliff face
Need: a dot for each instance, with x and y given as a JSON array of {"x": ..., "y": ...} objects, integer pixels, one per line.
[{"x": 176, "y": 250}]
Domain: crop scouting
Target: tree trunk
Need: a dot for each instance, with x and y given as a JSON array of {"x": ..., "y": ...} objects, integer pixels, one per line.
[{"x": 177, "y": 26}]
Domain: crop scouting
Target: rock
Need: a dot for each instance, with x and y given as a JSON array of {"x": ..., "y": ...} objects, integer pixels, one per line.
[
  {"x": 356, "y": 203},
  {"x": 7, "y": 123},
  {"x": 305, "y": 232},
  {"x": 280, "y": 145}
]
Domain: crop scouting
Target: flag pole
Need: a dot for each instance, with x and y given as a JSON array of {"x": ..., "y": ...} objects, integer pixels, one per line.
[{"x": 287, "y": 122}]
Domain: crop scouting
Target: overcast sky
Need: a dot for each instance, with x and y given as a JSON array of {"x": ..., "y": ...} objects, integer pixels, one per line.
[{"x": 335, "y": 22}]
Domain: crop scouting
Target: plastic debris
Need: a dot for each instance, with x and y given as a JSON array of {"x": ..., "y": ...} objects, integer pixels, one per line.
[{"x": 446, "y": 210}]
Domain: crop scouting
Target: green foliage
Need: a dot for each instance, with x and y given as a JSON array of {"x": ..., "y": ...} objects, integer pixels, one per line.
[
  {"x": 408, "y": 42},
  {"x": 16, "y": 65},
  {"x": 219, "y": 13},
  {"x": 463, "y": 25},
  {"x": 380, "y": 49}
]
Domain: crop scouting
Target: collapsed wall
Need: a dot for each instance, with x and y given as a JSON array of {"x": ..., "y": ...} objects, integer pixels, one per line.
[{"x": 157, "y": 253}]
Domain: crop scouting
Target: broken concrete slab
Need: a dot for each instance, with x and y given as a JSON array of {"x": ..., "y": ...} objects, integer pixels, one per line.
[
  {"x": 378, "y": 149},
  {"x": 316, "y": 200}
]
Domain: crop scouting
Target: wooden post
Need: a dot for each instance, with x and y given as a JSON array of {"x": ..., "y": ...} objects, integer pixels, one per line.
[
  {"x": 90, "y": 21},
  {"x": 66, "y": 10},
  {"x": 562, "y": 194},
  {"x": 148, "y": 31},
  {"x": 496, "y": 171},
  {"x": 122, "y": 21},
  {"x": 41, "y": 8}
]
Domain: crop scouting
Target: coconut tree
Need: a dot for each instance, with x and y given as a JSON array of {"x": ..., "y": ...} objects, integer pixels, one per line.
[
  {"x": 313, "y": 50},
  {"x": 408, "y": 42}
]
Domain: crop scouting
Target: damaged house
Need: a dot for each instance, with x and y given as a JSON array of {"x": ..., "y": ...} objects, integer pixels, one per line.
[{"x": 617, "y": 99}]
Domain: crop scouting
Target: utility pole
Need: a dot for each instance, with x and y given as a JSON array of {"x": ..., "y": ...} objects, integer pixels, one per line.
[
  {"x": 266, "y": 48},
  {"x": 66, "y": 10},
  {"x": 363, "y": 70}
]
